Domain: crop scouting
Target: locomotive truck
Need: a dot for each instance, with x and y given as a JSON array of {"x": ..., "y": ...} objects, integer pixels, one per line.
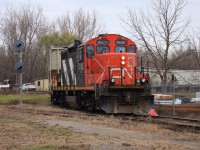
[{"x": 102, "y": 74}]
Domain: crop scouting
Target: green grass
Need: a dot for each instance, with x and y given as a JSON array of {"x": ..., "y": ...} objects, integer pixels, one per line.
[{"x": 30, "y": 99}]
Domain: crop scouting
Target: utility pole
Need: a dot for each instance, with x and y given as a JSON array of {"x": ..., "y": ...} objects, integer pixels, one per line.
[{"x": 173, "y": 94}]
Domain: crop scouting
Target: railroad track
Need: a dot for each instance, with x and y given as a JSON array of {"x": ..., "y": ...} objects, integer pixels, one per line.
[
  {"x": 179, "y": 124},
  {"x": 172, "y": 123}
]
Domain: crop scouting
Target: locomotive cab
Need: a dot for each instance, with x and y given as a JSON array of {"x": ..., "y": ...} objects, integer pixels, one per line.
[{"x": 112, "y": 57}]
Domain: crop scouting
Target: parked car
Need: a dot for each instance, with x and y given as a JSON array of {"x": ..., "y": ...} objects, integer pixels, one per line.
[
  {"x": 167, "y": 102},
  {"x": 6, "y": 84},
  {"x": 183, "y": 99},
  {"x": 28, "y": 87},
  {"x": 195, "y": 100}
]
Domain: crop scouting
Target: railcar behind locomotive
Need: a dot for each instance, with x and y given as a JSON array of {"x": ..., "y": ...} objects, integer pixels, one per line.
[{"x": 102, "y": 74}]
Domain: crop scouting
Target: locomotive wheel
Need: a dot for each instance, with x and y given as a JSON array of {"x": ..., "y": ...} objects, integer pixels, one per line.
[
  {"x": 62, "y": 99},
  {"x": 54, "y": 98},
  {"x": 91, "y": 103},
  {"x": 80, "y": 100},
  {"x": 91, "y": 107}
]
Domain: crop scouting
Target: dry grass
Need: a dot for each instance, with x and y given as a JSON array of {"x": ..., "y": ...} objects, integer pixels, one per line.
[
  {"x": 25, "y": 135},
  {"x": 20, "y": 130}
]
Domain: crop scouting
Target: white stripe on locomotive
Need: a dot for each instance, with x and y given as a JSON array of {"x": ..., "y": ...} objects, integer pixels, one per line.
[
  {"x": 65, "y": 71},
  {"x": 71, "y": 65}
]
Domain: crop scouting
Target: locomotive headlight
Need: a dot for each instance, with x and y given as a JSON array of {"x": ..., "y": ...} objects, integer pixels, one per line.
[
  {"x": 123, "y": 62},
  {"x": 123, "y": 57},
  {"x": 112, "y": 80},
  {"x": 143, "y": 80},
  {"x": 138, "y": 81}
]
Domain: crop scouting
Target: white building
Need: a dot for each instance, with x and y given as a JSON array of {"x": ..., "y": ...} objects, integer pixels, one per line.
[{"x": 177, "y": 77}]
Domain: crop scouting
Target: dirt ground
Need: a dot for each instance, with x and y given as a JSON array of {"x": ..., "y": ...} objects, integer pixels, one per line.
[{"x": 48, "y": 127}]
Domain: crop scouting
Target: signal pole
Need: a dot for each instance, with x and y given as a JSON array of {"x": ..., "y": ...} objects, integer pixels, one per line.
[
  {"x": 19, "y": 46},
  {"x": 20, "y": 78}
]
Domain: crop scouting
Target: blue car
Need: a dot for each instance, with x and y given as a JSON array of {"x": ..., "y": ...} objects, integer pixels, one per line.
[{"x": 183, "y": 99}]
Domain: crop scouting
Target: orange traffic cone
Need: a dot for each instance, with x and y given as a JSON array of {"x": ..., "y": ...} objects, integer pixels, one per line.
[{"x": 152, "y": 112}]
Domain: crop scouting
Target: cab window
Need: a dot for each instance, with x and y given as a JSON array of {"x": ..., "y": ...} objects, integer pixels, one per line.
[
  {"x": 90, "y": 51},
  {"x": 120, "y": 49},
  {"x": 132, "y": 49},
  {"x": 102, "y": 49}
]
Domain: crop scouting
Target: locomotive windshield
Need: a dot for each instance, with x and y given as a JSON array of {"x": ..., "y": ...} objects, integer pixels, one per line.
[
  {"x": 132, "y": 49},
  {"x": 102, "y": 49},
  {"x": 120, "y": 49},
  {"x": 90, "y": 51}
]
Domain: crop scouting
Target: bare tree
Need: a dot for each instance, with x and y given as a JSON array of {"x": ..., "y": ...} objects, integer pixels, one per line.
[
  {"x": 81, "y": 24},
  {"x": 27, "y": 24},
  {"x": 3, "y": 64},
  {"x": 159, "y": 32},
  {"x": 186, "y": 61},
  {"x": 194, "y": 46}
]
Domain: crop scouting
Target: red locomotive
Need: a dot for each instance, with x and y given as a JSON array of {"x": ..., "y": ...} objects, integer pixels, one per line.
[{"x": 102, "y": 73}]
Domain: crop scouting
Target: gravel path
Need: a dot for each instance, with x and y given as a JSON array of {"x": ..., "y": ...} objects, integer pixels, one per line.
[{"x": 125, "y": 135}]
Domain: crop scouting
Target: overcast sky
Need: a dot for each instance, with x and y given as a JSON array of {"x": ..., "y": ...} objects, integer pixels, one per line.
[{"x": 109, "y": 10}]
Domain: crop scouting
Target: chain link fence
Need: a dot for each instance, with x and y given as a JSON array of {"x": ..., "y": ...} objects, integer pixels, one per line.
[
  {"x": 174, "y": 89},
  {"x": 180, "y": 83}
]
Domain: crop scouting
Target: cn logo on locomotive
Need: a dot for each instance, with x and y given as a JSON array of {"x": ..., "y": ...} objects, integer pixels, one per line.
[{"x": 124, "y": 70}]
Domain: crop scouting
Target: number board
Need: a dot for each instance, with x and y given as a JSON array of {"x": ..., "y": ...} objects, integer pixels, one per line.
[
  {"x": 121, "y": 42},
  {"x": 102, "y": 42}
]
